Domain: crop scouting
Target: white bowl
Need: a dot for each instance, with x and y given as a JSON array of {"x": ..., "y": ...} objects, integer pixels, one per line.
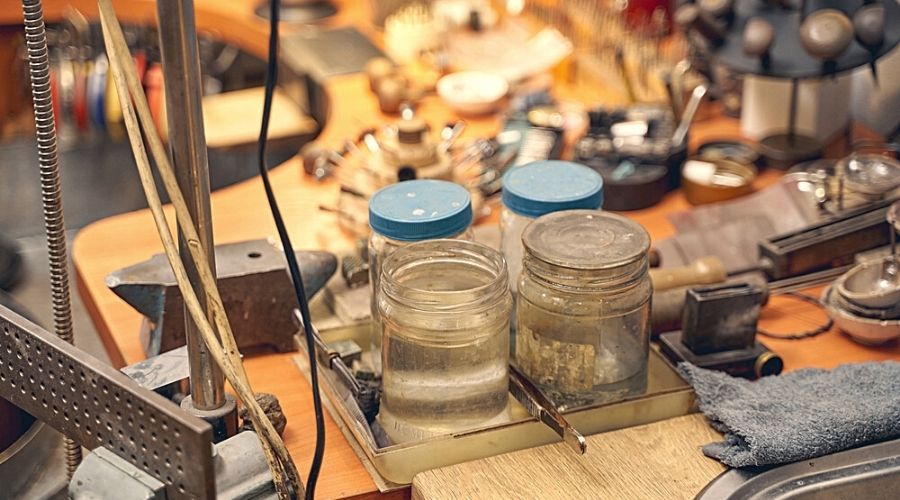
[
  {"x": 472, "y": 92},
  {"x": 863, "y": 330},
  {"x": 865, "y": 285}
]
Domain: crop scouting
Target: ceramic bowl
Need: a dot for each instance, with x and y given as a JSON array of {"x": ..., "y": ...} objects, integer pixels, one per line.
[
  {"x": 472, "y": 92},
  {"x": 866, "y": 285},
  {"x": 863, "y": 330}
]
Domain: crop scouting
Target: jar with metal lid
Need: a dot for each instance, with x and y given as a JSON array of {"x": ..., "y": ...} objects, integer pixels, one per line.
[
  {"x": 583, "y": 307},
  {"x": 408, "y": 212},
  {"x": 444, "y": 307},
  {"x": 540, "y": 188}
]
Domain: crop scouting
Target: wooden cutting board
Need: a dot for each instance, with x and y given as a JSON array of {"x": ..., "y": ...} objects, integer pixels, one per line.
[{"x": 660, "y": 460}]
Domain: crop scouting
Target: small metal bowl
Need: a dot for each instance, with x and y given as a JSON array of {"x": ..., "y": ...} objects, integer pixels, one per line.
[
  {"x": 866, "y": 312},
  {"x": 710, "y": 180},
  {"x": 872, "y": 174},
  {"x": 866, "y": 331},
  {"x": 866, "y": 285}
]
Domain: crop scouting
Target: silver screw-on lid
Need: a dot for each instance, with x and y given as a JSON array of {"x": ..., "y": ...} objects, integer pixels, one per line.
[{"x": 586, "y": 239}]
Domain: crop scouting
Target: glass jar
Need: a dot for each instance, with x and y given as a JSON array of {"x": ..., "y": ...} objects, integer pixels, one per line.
[
  {"x": 444, "y": 307},
  {"x": 408, "y": 212},
  {"x": 584, "y": 307},
  {"x": 536, "y": 189},
  {"x": 540, "y": 188}
]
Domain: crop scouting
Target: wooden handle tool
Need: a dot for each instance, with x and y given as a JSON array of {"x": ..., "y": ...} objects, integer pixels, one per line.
[{"x": 703, "y": 271}]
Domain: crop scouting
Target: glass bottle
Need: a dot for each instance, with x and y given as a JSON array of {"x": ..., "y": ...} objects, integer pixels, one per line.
[
  {"x": 584, "y": 307},
  {"x": 444, "y": 307},
  {"x": 408, "y": 212}
]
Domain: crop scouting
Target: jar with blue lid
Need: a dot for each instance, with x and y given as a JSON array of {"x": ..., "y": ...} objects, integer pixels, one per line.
[
  {"x": 537, "y": 189},
  {"x": 409, "y": 212}
]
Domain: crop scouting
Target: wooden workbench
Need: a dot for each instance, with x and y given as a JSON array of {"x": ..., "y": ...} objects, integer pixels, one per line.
[
  {"x": 660, "y": 460},
  {"x": 240, "y": 213}
]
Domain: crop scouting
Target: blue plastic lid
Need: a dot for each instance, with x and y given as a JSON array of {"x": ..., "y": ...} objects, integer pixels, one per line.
[
  {"x": 420, "y": 210},
  {"x": 543, "y": 187}
]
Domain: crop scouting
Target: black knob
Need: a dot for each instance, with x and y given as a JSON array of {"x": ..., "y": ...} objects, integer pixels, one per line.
[
  {"x": 768, "y": 363},
  {"x": 406, "y": 173}
]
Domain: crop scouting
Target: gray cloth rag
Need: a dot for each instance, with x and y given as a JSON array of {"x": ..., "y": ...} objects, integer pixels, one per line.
[{"x": 800, "y": 415}]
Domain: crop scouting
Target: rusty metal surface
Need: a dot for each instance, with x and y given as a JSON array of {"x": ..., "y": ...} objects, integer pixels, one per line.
[
  {"x": 255, "y": 287},
  {"x": 98, "y": 406}
]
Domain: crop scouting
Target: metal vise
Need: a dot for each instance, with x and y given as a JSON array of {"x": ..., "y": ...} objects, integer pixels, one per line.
[
  {"x": 255, "y": 287},
  {"x": 241, "y": 473}
]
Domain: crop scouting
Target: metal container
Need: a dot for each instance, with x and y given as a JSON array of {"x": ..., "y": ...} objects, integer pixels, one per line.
[
  {"x": 394, "y": 466},
  {"x": 710, "y": 180}
]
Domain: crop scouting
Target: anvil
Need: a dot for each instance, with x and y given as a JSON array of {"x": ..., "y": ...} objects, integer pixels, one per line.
[{"x": 254, "y": 284}]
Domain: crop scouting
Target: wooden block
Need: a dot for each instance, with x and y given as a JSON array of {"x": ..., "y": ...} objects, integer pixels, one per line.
[{"x": 660, "y": 460}]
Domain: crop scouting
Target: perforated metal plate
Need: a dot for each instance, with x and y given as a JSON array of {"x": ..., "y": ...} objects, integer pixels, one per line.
[{"x": 96, "y": 405}]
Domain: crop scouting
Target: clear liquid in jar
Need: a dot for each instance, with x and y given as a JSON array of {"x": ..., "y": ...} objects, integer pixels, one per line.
[{"x": 433, "y": 387}]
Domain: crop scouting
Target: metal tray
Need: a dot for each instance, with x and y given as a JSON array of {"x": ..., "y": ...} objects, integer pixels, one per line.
[{"x": 392, "y": 467}]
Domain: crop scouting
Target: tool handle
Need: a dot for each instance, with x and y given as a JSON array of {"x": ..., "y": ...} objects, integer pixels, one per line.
[{"x": 703, "y": 271}]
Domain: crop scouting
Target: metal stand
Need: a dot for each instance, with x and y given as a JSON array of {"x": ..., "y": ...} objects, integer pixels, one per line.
[
  {"x": 181, "y": 67},
  {"x": 786, "y": 150},
  {"x": 223, "y": 419},
  {"x": 97, "y": 406},
  {"x": 302, "y": 11},
  {"x": 788, "y": 58}
]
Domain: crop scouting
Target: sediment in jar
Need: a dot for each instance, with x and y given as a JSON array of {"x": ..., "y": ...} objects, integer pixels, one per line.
[{"x": 582, "y": 360}]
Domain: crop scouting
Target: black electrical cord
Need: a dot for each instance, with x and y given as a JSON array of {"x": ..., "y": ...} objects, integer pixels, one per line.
[{"x": 293, "y": 267}]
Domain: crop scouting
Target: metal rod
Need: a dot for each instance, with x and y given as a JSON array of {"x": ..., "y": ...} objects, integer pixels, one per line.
[
  {"x": 893, "y": 218},
  {"x": 181, "y": 68},
  {"x": 51, "y": 189},
  {"x": 687, "y": 116},
  {"x": 792, "y": 111}
]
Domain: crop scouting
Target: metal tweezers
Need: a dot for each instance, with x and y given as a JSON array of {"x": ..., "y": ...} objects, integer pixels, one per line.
[{"x": 540, "y": 407}]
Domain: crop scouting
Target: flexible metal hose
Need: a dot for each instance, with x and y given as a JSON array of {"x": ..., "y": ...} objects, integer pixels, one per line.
[{"x": 54, "y": 226}]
